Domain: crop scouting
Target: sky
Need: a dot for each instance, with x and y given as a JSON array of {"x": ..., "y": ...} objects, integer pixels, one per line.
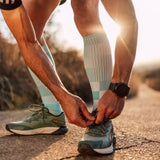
[{"x": 147, "y": 12}]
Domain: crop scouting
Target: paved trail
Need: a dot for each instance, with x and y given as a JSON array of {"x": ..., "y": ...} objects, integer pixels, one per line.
[{"x": 137, "y": 133}]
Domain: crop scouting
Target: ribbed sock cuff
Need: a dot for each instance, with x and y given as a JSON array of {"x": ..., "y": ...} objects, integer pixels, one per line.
[{"x": 95, "y": 38}]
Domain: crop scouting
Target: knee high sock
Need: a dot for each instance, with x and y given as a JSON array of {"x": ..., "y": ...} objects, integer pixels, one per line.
[
  {"x": 98, "y": 64},
  {"x": 47, "y": 97}
]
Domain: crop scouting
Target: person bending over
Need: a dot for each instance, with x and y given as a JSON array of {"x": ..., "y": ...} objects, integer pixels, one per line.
[{"x": 108, "y": 89}]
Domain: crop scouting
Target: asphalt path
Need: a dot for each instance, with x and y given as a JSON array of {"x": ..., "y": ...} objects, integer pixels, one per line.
[{"x": 137, "y": 132}]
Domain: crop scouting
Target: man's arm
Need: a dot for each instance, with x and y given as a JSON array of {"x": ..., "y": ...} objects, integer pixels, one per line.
[
  {"x": 21, "y": 27},
  {"x": 122, "y": 12}
]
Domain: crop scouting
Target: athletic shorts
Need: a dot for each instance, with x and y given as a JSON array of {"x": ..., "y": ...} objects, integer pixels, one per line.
[{"x": 9, "y": 4}]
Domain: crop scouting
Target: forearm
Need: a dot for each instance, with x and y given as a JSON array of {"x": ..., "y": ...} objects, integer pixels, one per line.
[
  {"x": 43, "y": 68},
  {"x": 125, "y": 52},
  {"x": 21, "y": 27},
  {"x": 122, "y": 12}
]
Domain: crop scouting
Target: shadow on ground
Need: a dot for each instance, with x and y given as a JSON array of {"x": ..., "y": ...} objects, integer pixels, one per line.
[
  {"x": 137, "y": 135},
  {"x": 39, "y": 147},
  {"x": 25, "y": 147}
]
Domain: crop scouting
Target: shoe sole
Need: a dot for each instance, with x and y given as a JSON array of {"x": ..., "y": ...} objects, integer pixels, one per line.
[
  {"x": 38, "y": 131},
  {"x": 86, "y": 149}
]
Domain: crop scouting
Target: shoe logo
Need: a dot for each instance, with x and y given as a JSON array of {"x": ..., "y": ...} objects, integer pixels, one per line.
[{"x": 56, "y": 121}]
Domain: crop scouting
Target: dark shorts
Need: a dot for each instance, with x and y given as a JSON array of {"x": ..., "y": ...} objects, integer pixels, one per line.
[
  {"x": 62, "y": 1},
  {"x": 9, "y": 4},
  {"x": 12, "y": 4}
]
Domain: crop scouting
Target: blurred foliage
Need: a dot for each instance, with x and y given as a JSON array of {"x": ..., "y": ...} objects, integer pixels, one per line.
[
  {"x": 16, "y": 86},
  {"x": 152, "y": 78},
  {"x": 17, "y": 89},
  {"x": 70, "y": 68}
]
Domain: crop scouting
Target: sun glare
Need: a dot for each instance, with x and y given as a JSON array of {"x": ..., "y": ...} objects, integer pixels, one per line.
[{"x": 148, "y": 28}]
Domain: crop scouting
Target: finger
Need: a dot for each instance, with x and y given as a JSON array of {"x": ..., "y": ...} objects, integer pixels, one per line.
[
  {"x": 89, "y": 123},
  {"x": 85, "y": 121},
  {"x": 108, "y": 113},
  {"x": 118, "y": 110},
  {"x": 100, "y": 117},
  {"x": 80, "y": 122},
  {"x": 113, "y": 115},
  {"x": 87, "y": 115}
]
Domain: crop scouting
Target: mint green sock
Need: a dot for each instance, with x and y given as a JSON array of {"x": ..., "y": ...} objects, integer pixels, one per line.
[
  {"x": 98, "y": 64},
  {"x": 47, "y": 97}
]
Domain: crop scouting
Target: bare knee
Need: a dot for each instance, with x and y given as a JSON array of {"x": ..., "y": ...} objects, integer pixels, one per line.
[
  {"x": 39, "y": 11},
  {"x": 42, "y": 3},
  {"x": 84, "y": 8},
  {"x": 86, "y": 16}
]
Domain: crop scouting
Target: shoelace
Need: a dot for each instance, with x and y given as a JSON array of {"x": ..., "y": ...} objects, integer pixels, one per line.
[
  {"x": 97, "y": 129},
  {"x": 37, "y": 109}
]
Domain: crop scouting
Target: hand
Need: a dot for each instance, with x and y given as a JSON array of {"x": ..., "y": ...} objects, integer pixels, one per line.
[
  {"x": 109, "y": 106},
  {"x": 76, "y": 111}
]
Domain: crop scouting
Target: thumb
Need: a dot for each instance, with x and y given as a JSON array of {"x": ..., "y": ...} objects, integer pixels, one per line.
[
  {"x": 100, "y": 117},
  {"x": 86, "y": 114}
]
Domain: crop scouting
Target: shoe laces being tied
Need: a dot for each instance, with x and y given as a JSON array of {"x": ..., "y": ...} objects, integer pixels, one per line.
[
  {"x": 98, "y": 129},
  {"x": 38, "y": 110}
]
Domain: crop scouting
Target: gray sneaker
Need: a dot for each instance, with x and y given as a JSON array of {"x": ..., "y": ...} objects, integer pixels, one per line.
[
  {"x": 41, "y": 122},
  {"x": 98, "y": 139}
]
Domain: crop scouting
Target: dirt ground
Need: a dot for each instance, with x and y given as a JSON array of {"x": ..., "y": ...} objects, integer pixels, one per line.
[{"x": 137, "y": 132}]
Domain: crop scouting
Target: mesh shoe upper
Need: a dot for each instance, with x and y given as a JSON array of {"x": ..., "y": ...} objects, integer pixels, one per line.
[
  {"x": 97, "y": 139},
  {"x": 99, "y": 136},
  {"x": 39, "y": 121}
]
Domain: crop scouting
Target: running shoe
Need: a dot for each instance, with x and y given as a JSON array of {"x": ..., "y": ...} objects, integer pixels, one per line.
[
  {"x": 98, "y": 139},
  {"x": 40, "y": 122}
]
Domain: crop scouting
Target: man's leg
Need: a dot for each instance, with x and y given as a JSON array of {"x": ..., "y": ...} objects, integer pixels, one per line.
[
  {"x": 98, "y": 65},
  {"x": 39, "y": 12}
]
